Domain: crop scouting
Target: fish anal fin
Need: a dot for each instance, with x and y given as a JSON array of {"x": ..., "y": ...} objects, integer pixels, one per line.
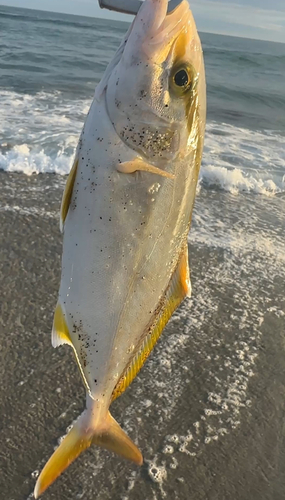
[
  {"x": 109, "y": 436},
  {"x": 178, "y": 288},
  {"x": 67, "y": 194},
  {"x": 60, "y": 333},
  {"x": 129, "y": 167}
]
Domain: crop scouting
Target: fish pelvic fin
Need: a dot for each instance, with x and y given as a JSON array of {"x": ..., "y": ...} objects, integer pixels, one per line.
[
  {"x": 67, "y": 194},
  {"x": 109, "y": 436}
]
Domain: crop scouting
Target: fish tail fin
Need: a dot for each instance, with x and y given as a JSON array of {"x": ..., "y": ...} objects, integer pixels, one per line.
[
  {"x": 69, "y": 449},
  {"x": 113, "y": 438},
  {"x": 110, "y": 436}
]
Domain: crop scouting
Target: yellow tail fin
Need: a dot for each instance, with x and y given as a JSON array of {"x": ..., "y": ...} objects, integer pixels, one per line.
[{"x": 111, "y": 437}]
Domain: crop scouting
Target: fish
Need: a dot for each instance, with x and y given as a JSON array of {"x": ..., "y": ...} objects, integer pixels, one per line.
[{"x": 125, "y": 216}]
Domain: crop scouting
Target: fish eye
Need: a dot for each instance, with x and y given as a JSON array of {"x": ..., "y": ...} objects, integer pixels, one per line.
[{"x": 181, "y": 78}]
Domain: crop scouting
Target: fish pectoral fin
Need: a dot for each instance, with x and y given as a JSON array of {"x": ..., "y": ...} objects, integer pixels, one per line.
[
  {"x": 109, "y": 436},
  {"x": 129, "y": 167},
  {"x": 67, "y": 194}
]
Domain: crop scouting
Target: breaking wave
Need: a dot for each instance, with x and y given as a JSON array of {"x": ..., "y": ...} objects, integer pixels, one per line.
[{"x": 41, "y": 133}]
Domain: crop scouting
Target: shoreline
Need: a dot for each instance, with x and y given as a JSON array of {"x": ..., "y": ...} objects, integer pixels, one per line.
[{"x": 209, "y": 338}]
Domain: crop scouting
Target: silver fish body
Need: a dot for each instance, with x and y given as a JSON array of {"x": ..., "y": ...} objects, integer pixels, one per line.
[{"x": 125, "y": 215}]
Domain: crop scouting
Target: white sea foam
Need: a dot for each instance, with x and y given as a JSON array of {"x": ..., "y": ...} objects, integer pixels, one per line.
[
  {"x": 237, "y": 180},
  {"x": 23, "y": 159},
  {"x": 36, "y": 211},
  {"x": 225, "y": 358},
  {"x": 40, "y": 133},
  {"x": 241, "y": 160}
]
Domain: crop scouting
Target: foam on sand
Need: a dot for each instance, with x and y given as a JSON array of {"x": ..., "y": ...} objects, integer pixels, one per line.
[{"x": 243, "y": 261}]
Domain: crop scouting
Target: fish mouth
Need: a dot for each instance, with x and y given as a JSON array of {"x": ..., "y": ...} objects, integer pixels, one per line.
[{"x": 154, "y": 31}]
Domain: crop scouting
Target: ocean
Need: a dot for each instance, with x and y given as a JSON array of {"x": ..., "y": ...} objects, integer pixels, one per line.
[{"x": 208, "y": 408}]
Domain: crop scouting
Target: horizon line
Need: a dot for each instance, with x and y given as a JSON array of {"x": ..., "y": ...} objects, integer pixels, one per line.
[{"x": 126, "y": 22}]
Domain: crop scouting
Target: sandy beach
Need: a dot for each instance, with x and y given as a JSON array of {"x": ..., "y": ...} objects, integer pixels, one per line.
[{"x": 207, "y": 410}]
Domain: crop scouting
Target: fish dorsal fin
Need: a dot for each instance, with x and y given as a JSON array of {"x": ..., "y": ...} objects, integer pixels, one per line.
[
  {"x": 179, "y": 288},
  {"x": 67, "y": 194}
]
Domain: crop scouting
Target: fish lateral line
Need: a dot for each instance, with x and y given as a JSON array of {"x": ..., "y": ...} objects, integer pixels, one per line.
[{"x": 129, "y": 167}]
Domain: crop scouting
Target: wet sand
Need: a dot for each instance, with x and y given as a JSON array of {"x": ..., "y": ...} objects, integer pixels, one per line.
[{"x": 41, "y": 392}]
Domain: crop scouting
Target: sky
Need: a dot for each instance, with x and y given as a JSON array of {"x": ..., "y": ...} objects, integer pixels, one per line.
[{"x": 261, "y": 19}]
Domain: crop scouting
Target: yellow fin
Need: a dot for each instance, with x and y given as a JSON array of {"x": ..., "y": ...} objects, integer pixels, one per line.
[
  {"x": 66, "y": 198},
  {"x": 129, "y": 167},
  {"x": 184, "y": 272},
  {"x": 60, "y": 333},
  {"x": 110, "y": 437},
  {"x": 116, "y": 440},
  {"x": 179, "y": 287},
  {"x": 70, "y": 448}
]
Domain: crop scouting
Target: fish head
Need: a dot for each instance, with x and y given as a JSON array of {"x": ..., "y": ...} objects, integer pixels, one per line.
[{"x": 155, "y": 94}]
